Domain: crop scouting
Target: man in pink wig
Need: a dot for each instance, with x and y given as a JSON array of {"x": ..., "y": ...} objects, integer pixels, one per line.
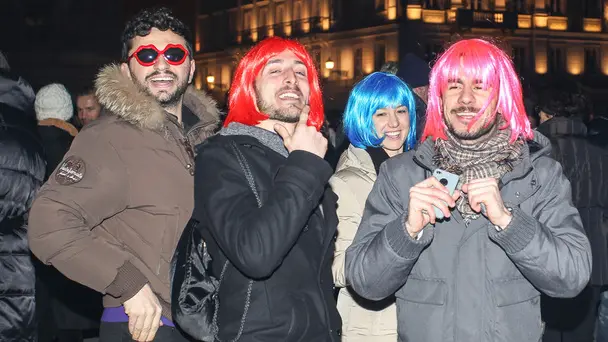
[{"x": 509, "y": 231}]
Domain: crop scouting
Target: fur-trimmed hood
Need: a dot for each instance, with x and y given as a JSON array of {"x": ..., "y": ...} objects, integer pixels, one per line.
[{"x": 118, "y": 94}]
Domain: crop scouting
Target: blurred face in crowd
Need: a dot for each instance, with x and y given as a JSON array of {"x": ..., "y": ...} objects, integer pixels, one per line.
[
  {"x": 88, "y": 108},
  {"x": 422, "y": 92},
  {"x": 282, "y": 87},
  {"x": 392, "y": 124},
  {"x": 165, "y": 81}
]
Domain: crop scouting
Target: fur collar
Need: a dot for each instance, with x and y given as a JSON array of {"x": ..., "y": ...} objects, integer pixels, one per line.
[
  {"x": 64, "y": 125},
  {"x": 118, "y": 94}
]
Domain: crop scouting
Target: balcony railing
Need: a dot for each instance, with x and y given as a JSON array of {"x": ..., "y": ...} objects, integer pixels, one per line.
[
  {"x": 310, "y": 25},
  {"x": 486, "y": 19},
  {"x": 279, "y": 30},
  {"x": 285, "y": 29},
  {"x": 265, "y": 32}
]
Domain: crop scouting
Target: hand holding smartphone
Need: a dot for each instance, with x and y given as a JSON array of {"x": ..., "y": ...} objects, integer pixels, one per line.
[{"x": 450, "y": 181}]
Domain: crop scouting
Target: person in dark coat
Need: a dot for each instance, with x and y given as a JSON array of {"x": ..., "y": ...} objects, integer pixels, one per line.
[
  {"x": 586, "y": 167},
  {"x": 68, "y": 309},
  {"x": 21, "y": 175},
  {"x": 278, "y": 283},
  {"x": 415, "y": 72},
  {"x": 598, "y": 130}
]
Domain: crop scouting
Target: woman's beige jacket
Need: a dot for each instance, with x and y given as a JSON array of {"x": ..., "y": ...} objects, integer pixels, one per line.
[{"x": 362, "y": 320}]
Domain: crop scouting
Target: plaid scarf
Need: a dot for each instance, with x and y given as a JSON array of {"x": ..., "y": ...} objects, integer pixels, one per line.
[{"x": 491, "y": 158}]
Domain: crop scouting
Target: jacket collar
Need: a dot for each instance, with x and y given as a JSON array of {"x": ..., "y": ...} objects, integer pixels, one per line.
[
  {"x": 561, "y": 126},
  {"x": 357, "y": 158},
  {"x": 118, "y": 94},
  {"x": 269, "y": 139},
  {"x": 63, "y": 125}
]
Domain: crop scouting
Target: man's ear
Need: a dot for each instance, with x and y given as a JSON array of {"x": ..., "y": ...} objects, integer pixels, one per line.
[
  {"x": 192, "y": 70},
  {"x": 124, "y": 68}
]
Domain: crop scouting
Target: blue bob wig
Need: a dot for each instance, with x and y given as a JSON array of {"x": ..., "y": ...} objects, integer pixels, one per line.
[{"x": 376, "y": 91}]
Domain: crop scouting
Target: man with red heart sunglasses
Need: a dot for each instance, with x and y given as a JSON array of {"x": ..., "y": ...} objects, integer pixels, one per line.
[{"x": 111, "y": 214}]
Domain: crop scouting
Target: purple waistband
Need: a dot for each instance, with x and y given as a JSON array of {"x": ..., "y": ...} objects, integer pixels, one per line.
[{"x": 114, "y": 315}]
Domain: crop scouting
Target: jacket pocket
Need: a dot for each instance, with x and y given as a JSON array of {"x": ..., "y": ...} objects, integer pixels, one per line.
[
  {"x": 424, "y": 291},
  {"x": 421, "y": 308},
  {"x": 517, "y": 311},
  {"x": 300, "y": 318}
]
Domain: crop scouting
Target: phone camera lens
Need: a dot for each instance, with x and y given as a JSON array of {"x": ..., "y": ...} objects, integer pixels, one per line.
[{"x": 443, "y": 181}]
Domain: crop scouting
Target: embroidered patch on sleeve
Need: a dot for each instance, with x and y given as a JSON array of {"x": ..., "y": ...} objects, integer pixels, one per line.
[{"x": 70, "y": 171}]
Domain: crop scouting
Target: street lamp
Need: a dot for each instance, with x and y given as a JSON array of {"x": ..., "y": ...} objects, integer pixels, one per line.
[
  {"x": 329, "y": 64},
  {"x": 210, "y": 79}
]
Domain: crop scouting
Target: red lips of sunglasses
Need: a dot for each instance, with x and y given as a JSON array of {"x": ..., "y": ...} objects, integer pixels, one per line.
[{"x": 146, "y": 55}]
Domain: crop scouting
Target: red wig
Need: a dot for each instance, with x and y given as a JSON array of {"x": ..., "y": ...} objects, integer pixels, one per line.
[{"x": 242, "y": 98}]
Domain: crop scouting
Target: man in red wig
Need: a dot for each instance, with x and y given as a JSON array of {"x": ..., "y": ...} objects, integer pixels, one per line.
[
  {"x": 509, "y": 231},
  {"x": 270, "y": 219}
]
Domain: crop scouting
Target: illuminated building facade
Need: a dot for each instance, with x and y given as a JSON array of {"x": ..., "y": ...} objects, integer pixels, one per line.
[
  {"x": 351, "y": 38},
  {"x": 344, "y": 43},
  {"x": 554, "y": 37}
]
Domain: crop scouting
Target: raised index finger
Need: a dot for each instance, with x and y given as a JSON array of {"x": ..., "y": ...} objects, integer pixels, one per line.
[{"x": 304, "y": 115}]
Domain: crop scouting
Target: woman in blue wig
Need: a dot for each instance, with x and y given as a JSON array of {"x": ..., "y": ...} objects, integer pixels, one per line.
[{"x": 380, "y": 122}]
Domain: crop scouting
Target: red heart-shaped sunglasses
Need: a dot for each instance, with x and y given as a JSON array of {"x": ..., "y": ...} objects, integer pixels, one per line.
[{"x": 146, "y": 55}]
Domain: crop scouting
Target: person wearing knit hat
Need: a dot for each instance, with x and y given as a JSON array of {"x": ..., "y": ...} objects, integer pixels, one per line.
[
  {"x": 54, "y": 108},
  {"x": 414, "y": 71},
  {"x": 72, "y": 307},
  {"x": 54, "y": 102}
]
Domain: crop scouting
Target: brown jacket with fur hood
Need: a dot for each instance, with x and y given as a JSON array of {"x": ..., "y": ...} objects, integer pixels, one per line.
[{"x": 111, "y": 214}]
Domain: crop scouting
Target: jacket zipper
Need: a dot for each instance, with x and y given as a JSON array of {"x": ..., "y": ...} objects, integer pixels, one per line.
[
  {"x": 455, "y": 336},
  {"x": 184, "y": 144},
  {"x": 319, "y": 282}
]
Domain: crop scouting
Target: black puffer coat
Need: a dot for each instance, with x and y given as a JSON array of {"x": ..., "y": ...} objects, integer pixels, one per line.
[
  {"x": 21, "y": 174},
  {"x": 586, "y": 167}
]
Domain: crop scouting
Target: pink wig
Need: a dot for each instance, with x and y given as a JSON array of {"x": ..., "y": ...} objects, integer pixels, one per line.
[
  {"x": 242, "y": 98},
  {"x": 479, "y": 60}
]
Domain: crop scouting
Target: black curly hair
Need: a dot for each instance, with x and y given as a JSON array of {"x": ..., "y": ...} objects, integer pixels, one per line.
[{"x": 161, "y": 18}]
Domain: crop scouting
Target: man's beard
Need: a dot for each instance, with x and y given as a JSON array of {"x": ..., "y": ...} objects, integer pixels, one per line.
[
  {"x": 485, "y": 129},
  {"x": 165, "y": 99},
  {"x": 290, "y": 114}
]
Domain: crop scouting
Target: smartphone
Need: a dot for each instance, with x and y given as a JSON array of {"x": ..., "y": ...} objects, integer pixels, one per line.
[{"x": 447, "y": 179}]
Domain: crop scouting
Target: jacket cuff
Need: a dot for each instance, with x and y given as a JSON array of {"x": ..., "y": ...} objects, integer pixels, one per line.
[
  {"x": 517, "y": 234},
  {"x": 402, "y": 243},
  {"x": 127, "y": 283}
]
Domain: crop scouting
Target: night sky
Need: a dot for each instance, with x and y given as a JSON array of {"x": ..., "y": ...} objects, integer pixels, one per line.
[{"x": 67, "y": 41}]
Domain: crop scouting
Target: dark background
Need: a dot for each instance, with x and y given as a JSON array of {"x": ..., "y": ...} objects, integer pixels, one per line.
[{"x": 67, "y": 41}]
